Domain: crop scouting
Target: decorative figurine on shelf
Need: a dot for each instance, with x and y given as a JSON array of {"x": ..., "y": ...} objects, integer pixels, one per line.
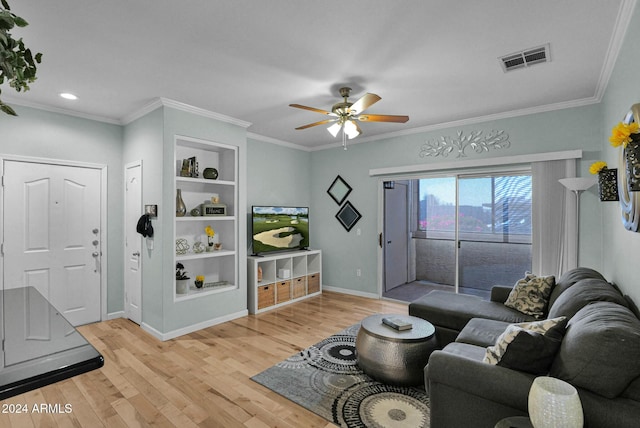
[
  {"x": 198, "y": 247},
  {"x": 185, "y": 171},
  {"x": 210, "y": 234},
  {"x": 214, "y": 207},
  {"x": 182, "y": 246},
  {"x": 217, "y": 246},
  {"x": 199, "y": 281},
  {"x": 210, "y": 173},
  {"x": 182, "y": 279}
]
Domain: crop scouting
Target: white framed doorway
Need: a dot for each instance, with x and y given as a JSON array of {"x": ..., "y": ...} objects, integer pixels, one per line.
[
  {"x": 395, "y": 237},
  {"x": 53, "y": 227},
  {"x": 133, "y": 242}
]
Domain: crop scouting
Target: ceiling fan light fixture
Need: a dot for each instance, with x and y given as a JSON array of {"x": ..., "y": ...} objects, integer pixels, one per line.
[
  {"x": 335, "y": 128},
  {"x": 351, "y": 129}
]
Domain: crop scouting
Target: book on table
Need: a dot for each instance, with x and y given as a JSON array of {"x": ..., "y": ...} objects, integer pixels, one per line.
[{"x": 397, "y": 323}]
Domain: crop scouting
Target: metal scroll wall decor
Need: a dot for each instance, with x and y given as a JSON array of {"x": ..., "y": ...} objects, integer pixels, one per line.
[
  {"x": 629, "y": 175},
  {"x": 459, "y": 144}
]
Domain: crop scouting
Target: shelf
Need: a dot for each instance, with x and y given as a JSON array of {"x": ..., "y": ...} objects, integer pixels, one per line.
[
  {"x": 205, "y": 218},
  {"x": 192, "y": 180},
  {"x": 267, "y": 290},
  {"x": 199, "y": 292},
  {"x": 215, "y": 266},
  {"x": 205, "y": 255}
]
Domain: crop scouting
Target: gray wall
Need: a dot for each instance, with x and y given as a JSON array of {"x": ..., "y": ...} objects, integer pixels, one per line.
[
  {"x": 37, "y": 133},
  {"x": 575, "y": 128},
  {"x": 605, "y": 244},
  {"x": 621, "y": 247}
]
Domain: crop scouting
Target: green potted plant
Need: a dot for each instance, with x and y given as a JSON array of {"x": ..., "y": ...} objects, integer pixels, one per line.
[
  {"x": 17, "y": 63},
  {"x": 182, "y": 279}
]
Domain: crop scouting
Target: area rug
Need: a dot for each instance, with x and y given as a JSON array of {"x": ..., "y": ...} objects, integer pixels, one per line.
[{"x": 326, "y": 379}]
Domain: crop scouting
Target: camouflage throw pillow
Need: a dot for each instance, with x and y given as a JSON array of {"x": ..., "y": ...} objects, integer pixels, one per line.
[{"x": 531, "y": 294}]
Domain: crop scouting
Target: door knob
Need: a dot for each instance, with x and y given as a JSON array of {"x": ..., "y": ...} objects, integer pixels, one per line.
[{"x": 95, "y": 254}]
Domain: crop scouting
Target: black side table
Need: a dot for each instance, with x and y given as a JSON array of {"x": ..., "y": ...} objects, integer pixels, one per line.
[{"x": 515, "y": 422}]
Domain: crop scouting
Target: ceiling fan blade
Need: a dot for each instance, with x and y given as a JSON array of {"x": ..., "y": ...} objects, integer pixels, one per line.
[
  {"x": 382, "y": 118},
  {"x": 322, "y": 122},
  {"x": 366, "y": 101},
  {"x": 317, "y": 110}
]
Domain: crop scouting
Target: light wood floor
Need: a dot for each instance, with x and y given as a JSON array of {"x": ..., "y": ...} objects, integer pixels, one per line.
[{"x": 197, "y": 380}]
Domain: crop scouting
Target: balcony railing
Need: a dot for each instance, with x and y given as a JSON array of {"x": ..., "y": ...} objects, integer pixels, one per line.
[{"x": 483, "y": 263}]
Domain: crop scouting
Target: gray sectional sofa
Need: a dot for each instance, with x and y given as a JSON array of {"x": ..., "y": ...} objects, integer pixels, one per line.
[{"x": 599, "y": 354}]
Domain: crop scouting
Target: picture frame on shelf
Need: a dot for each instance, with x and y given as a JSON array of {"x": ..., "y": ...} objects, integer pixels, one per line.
[{"x": 189, "y": 168}]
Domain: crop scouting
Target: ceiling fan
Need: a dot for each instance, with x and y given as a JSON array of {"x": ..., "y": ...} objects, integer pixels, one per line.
[{"x": 346, "y": 115}]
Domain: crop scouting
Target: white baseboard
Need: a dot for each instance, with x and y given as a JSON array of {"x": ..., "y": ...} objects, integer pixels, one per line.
[
  {"x": 114, "y": 315},
  {"x": 195, "y": 327},
  {"x": 351, "y": 292}
]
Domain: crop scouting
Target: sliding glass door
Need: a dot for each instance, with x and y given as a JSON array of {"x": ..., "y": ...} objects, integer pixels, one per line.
[{"x": 474, "y": 231}]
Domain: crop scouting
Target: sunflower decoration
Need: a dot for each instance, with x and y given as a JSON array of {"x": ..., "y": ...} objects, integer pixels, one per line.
[
  {"x": 598, "y": 166},
  {"x": 210, "y": 234},
  {"x": 621, "y": 134}
]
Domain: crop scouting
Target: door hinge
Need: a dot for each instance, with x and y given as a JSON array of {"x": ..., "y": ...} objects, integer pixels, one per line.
[
  {"x": 2, "y": 249},
  {"x": 2, "y": 181}
]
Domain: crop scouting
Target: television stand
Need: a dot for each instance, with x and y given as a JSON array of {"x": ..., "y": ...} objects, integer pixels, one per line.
[{"x": 279, "y": 279}]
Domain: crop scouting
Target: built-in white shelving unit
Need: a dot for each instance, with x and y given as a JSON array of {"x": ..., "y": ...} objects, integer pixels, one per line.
[{"x": 218, "y": 267}]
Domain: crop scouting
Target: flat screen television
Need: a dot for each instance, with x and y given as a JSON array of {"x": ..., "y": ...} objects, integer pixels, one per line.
[{"x": 279, "y": 228}]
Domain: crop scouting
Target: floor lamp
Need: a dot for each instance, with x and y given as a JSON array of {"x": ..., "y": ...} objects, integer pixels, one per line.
[{"x": 578, "y": 185}]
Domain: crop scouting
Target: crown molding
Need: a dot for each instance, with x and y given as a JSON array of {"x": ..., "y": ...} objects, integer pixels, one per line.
[
  {"x": 23, "y": 103},
  {"x": 625, "y": 13},
  {"x": 270, "y": 140},
  {"x": 177, "y": 105},
  {"x": 145, "y": 110},
  {"x": 125, "y": 120},
  {"x": 470, "y": 121}
]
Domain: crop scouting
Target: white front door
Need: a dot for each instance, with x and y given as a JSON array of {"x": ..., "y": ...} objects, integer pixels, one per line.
[
  {"x": 133, "y": 243},
  {"x": 52, "y": 236}
]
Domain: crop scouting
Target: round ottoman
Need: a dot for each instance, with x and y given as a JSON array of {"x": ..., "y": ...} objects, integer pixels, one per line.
[{"x": 395, "y": 357}]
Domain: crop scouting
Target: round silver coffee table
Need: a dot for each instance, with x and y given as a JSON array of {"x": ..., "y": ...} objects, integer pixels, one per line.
[{"x": 395, "y": 357}]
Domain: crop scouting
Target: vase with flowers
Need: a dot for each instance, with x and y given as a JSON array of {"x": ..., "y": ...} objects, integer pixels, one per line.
[
  {"x": 199, "y": 282},
  {"x": 627, "y": 135},
  {"x": 607, "y": 181},
  {"x": 210, "y": 234}
]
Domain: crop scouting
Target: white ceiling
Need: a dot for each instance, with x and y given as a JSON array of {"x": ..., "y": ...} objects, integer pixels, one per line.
[{"x": 436, "y": 60}]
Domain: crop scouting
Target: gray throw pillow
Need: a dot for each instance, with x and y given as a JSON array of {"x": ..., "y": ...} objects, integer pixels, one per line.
[{"x": 531, "y": 294}]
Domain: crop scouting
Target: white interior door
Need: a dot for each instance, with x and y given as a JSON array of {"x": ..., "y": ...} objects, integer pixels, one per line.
[
  {"x": 133, "y": 243},
  {"x": 52, "y": 237},
  {"x": 396, "y": 236}
]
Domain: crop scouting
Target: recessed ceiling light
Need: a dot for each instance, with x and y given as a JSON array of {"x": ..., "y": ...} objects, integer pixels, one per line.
[{"x": 68, "y": 96}]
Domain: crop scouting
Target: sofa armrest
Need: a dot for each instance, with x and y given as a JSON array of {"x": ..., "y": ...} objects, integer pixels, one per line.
[
  {"x": 499, "y": 293},
  {"x": 503, "y": 386}
]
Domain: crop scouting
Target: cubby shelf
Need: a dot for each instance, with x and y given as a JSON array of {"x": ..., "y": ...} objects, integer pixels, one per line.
[{"x": 280, "y": 279}]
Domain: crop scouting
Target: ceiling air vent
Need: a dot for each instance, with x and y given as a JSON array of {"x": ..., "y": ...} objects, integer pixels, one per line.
[{"x": 525, "y": 58}]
